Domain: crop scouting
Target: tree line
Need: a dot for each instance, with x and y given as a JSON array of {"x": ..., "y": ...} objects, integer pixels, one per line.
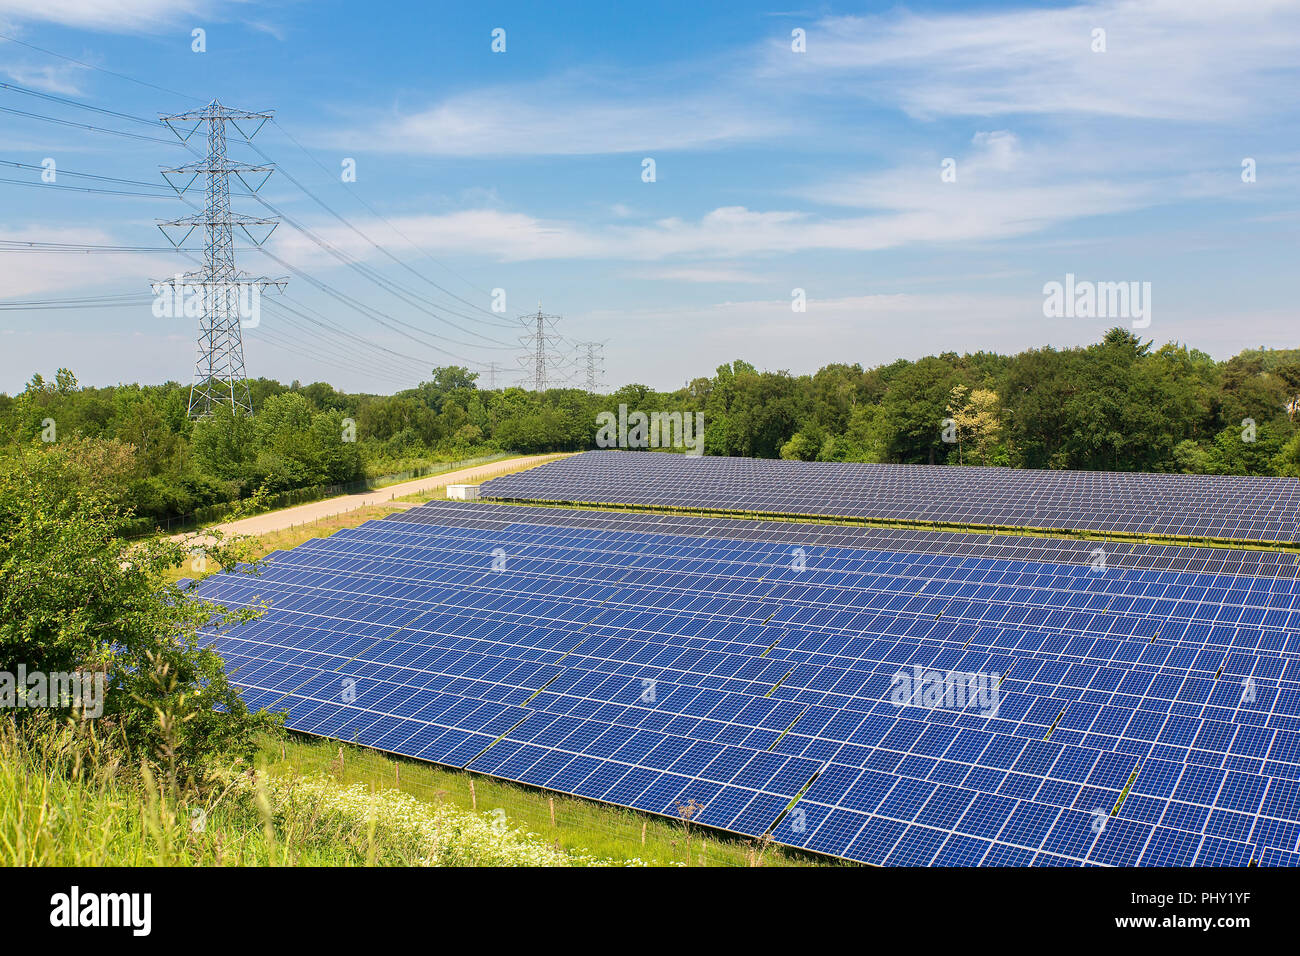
[{"x": 1117, "y": 405}]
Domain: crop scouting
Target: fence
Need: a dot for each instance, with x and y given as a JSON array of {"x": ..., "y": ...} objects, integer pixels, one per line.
[
  {"x": 571, "y": 824},
  {"x": 139, "y": 527}
]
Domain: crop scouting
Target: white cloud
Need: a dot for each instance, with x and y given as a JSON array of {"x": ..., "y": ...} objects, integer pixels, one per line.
[
  {"x": 1000, "y": 190},
  {"x": 59, "y": 78},
  {"x": 1003, "y": 190},
  {"x": 700, "y": 274},
  {"x": 734, "y": 232},
  {"x": 561, "y": 117},
  {"x": 58, "y": 274},
  {"x": 1171, "y": 59},
  {"x": 109, "y": 16}
]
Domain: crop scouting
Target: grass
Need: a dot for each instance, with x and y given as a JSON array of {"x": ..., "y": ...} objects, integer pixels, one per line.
[
  {"x": 580, "y": 826},
  {"x": 66, "y": 800}
]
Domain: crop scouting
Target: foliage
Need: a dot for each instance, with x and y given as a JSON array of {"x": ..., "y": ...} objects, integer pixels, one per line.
[
  {"x": 1119, "y": 404},
  {"x": 76, "y": 597}
]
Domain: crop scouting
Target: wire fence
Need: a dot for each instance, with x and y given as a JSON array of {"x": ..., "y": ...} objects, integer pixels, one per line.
[
  {"x": 602, "y": 831},
  {"x": 139, "y": 527}
]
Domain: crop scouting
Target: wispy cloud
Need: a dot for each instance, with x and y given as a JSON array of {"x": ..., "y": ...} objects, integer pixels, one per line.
[
  {"x": 561, "y": 117},
  {"x": 108, "y": 16},
  {"x": 1192, "y": 60},
  {"x": 59, "y": 78},
  {"x": 1000, "y": 192},
  {"x": 54, "y": 274},
  {"x": 701, "y": 274}
]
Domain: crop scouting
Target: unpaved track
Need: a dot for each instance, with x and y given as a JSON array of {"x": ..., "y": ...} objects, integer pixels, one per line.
[{"x": 315, "y": 510}]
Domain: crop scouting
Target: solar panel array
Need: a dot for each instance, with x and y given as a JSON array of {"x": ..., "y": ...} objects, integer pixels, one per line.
[
  {"x": 1222, "y": 507},
  {"x": 746, "y": 674}
]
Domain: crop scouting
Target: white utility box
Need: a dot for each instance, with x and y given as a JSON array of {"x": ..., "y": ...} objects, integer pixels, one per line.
[{"x": 463, "y": 492}]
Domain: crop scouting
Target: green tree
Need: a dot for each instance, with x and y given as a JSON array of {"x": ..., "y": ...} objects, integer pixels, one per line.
[{"x": 76, "y": 597}]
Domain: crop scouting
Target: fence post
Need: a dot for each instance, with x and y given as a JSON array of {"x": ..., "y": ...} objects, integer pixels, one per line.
[
  {"x": 473, "y": 800},
  {"x": 552, "y": 801}
]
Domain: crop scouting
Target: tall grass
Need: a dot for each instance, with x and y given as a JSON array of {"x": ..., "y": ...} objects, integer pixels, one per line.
[{"x": 68, "y": 799}]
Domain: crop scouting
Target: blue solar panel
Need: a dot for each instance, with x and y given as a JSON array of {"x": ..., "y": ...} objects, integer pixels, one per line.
[
  {"x": 689, "y": 674},
  {"x": 1227, "y": 506}
]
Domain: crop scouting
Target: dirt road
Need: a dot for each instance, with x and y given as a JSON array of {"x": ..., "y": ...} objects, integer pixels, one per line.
[{"x": 314, "y": 510}]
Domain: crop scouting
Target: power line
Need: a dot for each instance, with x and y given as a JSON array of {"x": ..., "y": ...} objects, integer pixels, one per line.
[
  {"x": 381, "y": 249},
  {"x": 166, "y": 190},
  {"x": 86, "y": 126},
  {"x": 322, "y": 323},
  {"x": 36, "y": 245},
  {"x": 100, "y": 69},
  {"x": 91, "y": 303},
  {"x": 70, "y": 102},
  {"x": 383, "y": 318},
  {"x": 349, "y": 362},
  {"x": 95, "y": 190},
  {"x": 388, "y": 284},
  {"x": 381, "y": 217},
  {"x": 410, "y": 298},
  {"x": 406, "y": 295}
]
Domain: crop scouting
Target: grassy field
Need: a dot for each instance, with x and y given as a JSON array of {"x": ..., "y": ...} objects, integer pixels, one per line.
[
  {"x": 580, "y": 826},
  {"x": 66, "y": 802}
]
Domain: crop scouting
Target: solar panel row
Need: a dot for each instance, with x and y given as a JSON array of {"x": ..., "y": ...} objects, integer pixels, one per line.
[
  {"x": 1219, "y": 507},
  {"x": 1139, "y": 714},
  {"x": 1118, "y": 554}
]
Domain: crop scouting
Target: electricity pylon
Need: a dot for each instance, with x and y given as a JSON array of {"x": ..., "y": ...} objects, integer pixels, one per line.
[
  {"x": 595, "y": 363},
  {"x": 539, "y": 359},
  {"x": 219, "y": 376}
]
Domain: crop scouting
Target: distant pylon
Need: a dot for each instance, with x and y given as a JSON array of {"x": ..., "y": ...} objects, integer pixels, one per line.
[
  {"x": 539, "y": 362},
  {"x": 219, "y": 376},
  {"x": 595, "y": 363}
]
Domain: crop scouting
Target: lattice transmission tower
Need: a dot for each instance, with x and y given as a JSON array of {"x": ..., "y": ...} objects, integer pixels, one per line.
[
  {"x": 540, "y": 362},
  {"x": 592, "y": 357},
  {"x": 226, "y": 295}
]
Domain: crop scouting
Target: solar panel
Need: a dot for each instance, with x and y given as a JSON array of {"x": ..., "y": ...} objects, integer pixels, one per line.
[
  {"x": 1147, "y": 713},
  {"x": 1203, "y": 507}
]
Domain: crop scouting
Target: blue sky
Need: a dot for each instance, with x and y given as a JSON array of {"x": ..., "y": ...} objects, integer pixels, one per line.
[{"x": 775, "y": 170}]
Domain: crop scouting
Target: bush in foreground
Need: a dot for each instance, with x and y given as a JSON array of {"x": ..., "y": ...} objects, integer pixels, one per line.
[{"x": 77, "y": 598}]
